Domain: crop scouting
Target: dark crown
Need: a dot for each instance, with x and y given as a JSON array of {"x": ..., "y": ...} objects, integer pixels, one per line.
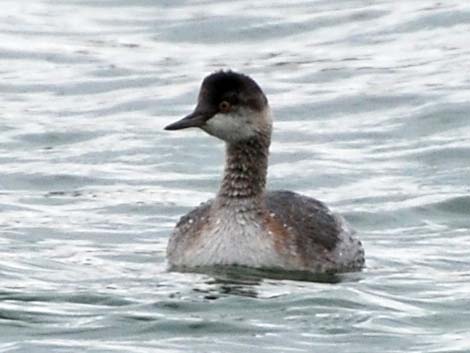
[{"x": 236, "y": 88}]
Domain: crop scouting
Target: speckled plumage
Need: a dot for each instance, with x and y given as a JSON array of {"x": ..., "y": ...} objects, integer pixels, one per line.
[
  {"x": 246, "y": 225},
  {"x": 294, "y": 232}
]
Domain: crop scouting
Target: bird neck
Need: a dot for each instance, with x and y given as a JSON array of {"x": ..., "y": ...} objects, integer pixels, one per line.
[{"x": 246, "y": 165}]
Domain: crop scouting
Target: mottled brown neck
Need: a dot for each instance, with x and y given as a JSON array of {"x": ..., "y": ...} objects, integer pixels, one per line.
[{"x": 246, "y": 165}]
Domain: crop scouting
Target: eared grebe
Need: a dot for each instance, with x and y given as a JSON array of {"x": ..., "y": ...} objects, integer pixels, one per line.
[{"x": 246, "y": 225}]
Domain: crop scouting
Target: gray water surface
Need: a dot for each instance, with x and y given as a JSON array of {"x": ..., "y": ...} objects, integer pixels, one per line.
[{"x": 372, "y": 102}]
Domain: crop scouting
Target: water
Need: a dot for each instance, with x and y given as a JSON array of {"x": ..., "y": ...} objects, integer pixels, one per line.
[{"x": 371, "y": 102}]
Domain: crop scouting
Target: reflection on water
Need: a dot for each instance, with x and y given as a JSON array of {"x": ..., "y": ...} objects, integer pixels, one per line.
[
  {"x": 370, "y": 102},
  {"x": 244, "y": 281}
]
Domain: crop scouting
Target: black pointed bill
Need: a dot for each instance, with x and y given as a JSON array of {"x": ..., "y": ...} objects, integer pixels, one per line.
[{"x": 195, "y": 119}]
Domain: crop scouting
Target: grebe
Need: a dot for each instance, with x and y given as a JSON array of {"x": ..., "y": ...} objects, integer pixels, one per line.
[{"x": 244, "y": 224}]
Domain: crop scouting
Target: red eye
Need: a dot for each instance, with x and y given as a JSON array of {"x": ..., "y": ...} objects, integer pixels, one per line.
[{"x": 224, "y": 106}]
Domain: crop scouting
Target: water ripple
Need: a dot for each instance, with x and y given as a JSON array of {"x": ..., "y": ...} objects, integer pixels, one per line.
[{"x": 370, "y": 104}]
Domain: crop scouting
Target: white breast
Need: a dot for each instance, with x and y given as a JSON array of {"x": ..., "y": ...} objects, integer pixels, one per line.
[{"x": 233, "y": 238}]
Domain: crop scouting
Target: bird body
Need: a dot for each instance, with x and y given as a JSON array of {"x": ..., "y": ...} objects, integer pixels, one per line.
[{"x": 244, "y": 224}]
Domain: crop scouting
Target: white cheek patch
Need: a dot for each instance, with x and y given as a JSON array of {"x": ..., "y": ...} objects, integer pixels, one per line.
[{"x": 230, "y": 127}]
